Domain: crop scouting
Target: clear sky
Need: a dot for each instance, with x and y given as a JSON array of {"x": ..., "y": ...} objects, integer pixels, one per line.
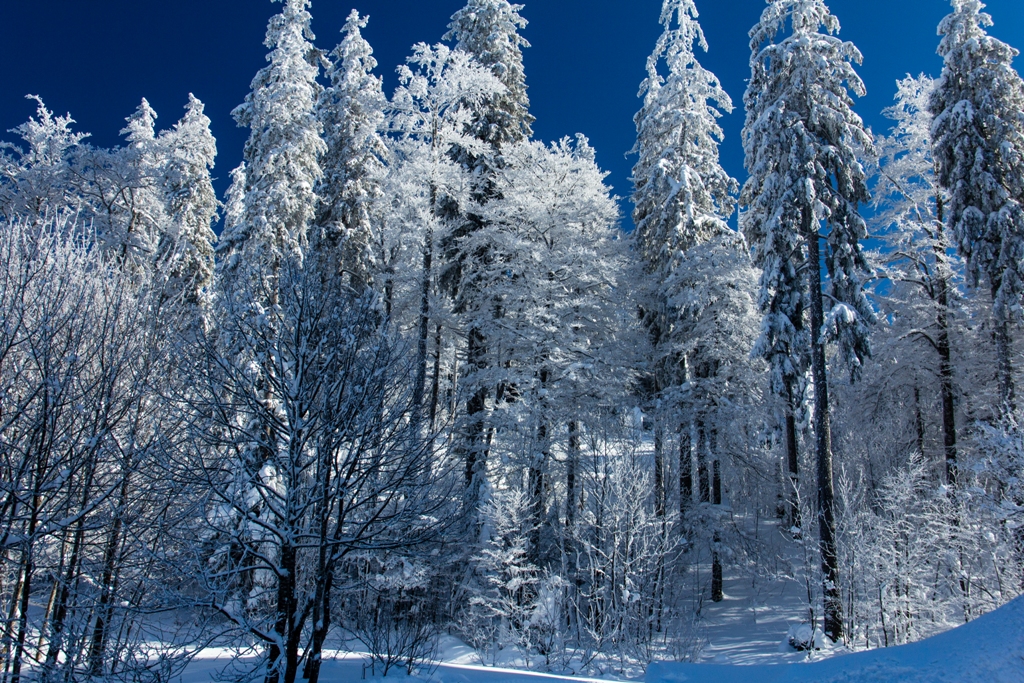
[{"x": 97, "y": 58}]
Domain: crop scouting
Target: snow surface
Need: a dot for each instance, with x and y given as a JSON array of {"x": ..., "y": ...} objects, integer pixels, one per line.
[{"x": 989, "y": 649}]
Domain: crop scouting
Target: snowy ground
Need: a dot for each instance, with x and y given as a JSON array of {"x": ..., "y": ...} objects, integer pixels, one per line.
[
  {"x": 745, "y": 636},
  {"x": 988, "y": 650}
]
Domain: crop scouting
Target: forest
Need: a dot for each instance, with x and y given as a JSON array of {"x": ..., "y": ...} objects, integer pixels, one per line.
[{"x": 410, "y": 377}]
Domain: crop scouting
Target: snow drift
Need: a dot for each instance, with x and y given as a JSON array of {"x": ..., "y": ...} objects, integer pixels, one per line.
[{"x": 989, "y": 649}]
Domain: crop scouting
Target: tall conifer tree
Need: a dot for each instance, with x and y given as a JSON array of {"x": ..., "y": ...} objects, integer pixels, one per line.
[
  {"x": 802, "y": 140},
  {"x": 978, "y": 138},
  {"x": 351, "y": 111},
  {"x": 282, "y": 155},
  {"x": 192, "y": 204},
  {"x": 682, "y": 196},
  {"x": 488, "y": 30}
]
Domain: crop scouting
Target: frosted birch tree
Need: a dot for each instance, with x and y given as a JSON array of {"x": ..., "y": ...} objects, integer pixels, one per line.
[
  {"x": 912, "y": 206},
  {"x": 978, "y": 138},
  {"x": 803, "y": 141}
]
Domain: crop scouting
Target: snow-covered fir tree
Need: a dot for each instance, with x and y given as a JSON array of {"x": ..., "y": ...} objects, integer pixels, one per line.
[
  {"x": 351, "y": 111},
  {"x": 683, "y": 197},
  {"x": 489, "y": 31},
  {"x": 282, "y": 154},
  {"x": 682, "y": 194},
  {"x": 187, "y": 250},
  {"x": 803, "y": 143},
  {"x": 129, "y": 201},
  {"x": 978, "y": 138}
]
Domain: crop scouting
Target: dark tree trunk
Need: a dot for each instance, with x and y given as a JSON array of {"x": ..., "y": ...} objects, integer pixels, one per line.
[
  {"x": 108, "y": 585},
  {"x": 717, "y": 594},
  {"x": 918, "y": 420},
  {"x": 476, "y": 448},
  {"x": 716, "y": 479},
  {"x": 420, "y": 384},
  {"x": 69, "y": 576},
  {"x": 833, "y": 626},
  {"x": 703, "y": 476},
  {"x": 321, "y": 612},
  {"x": 1004, "y": 363},
  {"x": 793, "y": 462},
  {"x": 946, "y": 385},
  {"x": 435, "y": 385},
  {"x": 570, "y": 474},
  {"x": 945, "y": 357},
  {"x": 659, "y": 472},
  {"x": 685, "y": 471}
]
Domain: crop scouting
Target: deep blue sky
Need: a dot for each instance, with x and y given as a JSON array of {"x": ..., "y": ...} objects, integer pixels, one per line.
[{"x": 97, "y": 58}]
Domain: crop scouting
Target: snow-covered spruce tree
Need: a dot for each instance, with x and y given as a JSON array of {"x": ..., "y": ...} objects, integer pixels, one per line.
[
  {"x": 499, "y": 612},
  {"x": 978, "y": 138},
  {"x": 911, "y": 204},
  {"x": 431, "y": 113},
  {"x": 488, "y": 30},
  {"x": 35, "y": 180},
  {"x": 281, "y": 155},
  {"x": 802, "y": 140},
  {"x": 683, "y": 197},
  {"x": 351, "y": 111},
  {"x": 185, "y": 252},
  {"x": 134, "y": 239}
]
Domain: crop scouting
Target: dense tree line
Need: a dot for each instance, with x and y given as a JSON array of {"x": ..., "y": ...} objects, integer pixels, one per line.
[{"x": 422, "y": 381}]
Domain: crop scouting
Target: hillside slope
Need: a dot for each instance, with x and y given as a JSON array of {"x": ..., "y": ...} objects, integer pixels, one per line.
[{"x": 988, "y": 650}]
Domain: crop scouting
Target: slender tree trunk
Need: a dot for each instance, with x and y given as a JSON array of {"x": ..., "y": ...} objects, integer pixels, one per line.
[
  {"x": 946, "y": 385},
  {"x": 435, "y": 383},
  {"x": 918, "y": 419},
  {"x": 822, "y": 427},
  {"x": 420, "y": 383},
  {"x": 685, "y": 472},
  {"x": 538, "y": 471},
  {"x": 282, "y": 657},
  {"x": 793, "y": 463},
  {"x": 945, "y": 355},
  {"x": 570, "y": 474},
  {"x": 659, "y": 471},
  {"x": 717, "y": 580},
  {"x": 70, "y": 575},
  {"x": 476, "y": 405},
  {"x": 108, "y": 585},
  {"x": 1004, "y": 364},
  {"x": 702, "y": 463},
  {"x": 321, "y": 612}
]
